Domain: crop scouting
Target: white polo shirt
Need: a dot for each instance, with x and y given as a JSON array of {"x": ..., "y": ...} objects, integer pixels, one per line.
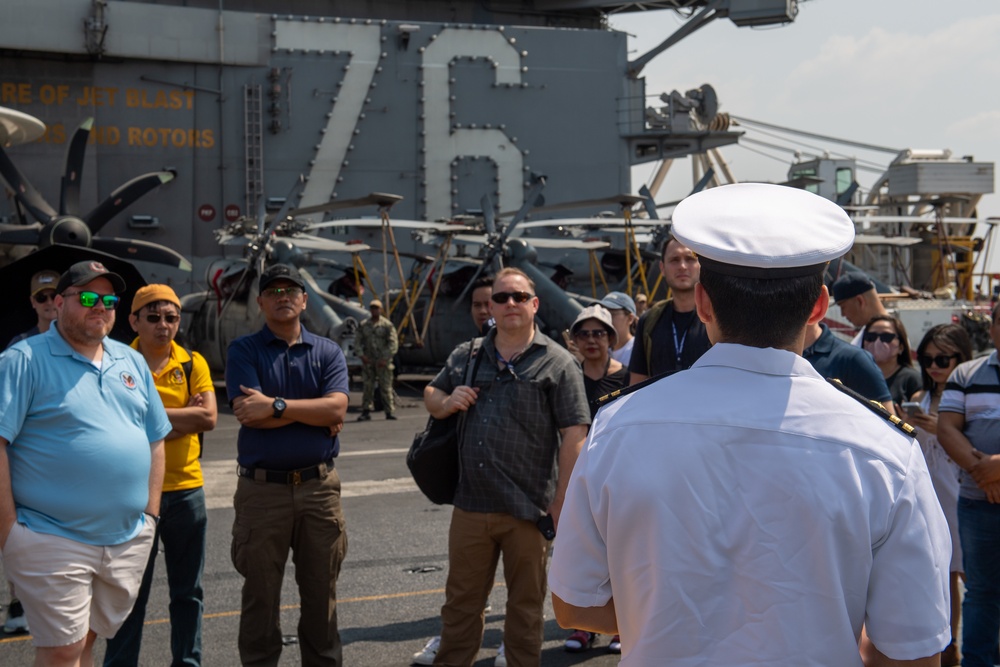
[{"x": 745, "y": 512}]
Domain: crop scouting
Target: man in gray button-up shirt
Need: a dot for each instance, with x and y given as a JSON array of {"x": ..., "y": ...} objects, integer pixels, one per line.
[{"x": 527, "y": 418}]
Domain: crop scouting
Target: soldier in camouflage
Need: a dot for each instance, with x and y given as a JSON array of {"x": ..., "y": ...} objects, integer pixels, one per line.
[{"x": 377, "y": 343}]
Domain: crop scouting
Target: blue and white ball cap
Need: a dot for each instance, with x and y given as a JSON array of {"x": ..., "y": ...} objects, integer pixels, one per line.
[{"x": 759, "y": 230}]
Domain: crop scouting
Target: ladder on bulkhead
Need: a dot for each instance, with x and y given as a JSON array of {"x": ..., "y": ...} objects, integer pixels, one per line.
[{"x": 253, "y": 138}]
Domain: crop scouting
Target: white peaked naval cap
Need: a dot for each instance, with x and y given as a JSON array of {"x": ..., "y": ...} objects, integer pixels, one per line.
[{"x": 759, "y": 230}]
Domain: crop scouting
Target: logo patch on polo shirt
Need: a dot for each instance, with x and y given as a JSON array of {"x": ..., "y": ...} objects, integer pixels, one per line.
[
  {"x": 177, "y": 377},
  {"x": 128, "y": 380}
]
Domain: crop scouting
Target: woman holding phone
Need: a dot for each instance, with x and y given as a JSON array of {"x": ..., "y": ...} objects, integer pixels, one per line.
[{"x": 942, "y": 349}]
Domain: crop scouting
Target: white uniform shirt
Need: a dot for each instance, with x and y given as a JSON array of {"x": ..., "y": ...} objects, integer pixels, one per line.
[
  {"x": 745, "y": 512},
  {"x": 624, "y": 353}
]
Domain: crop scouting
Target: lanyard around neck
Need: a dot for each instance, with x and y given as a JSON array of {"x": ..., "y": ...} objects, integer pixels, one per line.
[{"x": 679, "y": 346}]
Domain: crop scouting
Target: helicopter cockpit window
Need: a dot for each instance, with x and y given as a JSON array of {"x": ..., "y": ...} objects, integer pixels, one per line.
[
  {"x": 845, "y": 176},
  {"x": 810, "y": 187}
]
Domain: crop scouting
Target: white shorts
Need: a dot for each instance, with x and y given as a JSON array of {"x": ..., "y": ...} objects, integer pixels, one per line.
[{"x": 68, "y": 587}]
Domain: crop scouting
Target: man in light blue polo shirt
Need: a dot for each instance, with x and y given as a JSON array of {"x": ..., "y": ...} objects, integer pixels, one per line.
[{"x": 81, "y": 467}]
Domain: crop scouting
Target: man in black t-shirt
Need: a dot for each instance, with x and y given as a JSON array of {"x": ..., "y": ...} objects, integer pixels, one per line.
[{"x": 669, "y": 335}]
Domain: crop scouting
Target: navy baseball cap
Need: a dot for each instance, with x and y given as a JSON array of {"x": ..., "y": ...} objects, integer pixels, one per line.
[{"x": 851, "y": 284}]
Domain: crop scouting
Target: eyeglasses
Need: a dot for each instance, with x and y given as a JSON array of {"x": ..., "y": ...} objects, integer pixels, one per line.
[
  {"x": 276, "y": 292},
  {"x": 42, "y": 297},
  {"x": 591, "y": 333},
  {"x": 154, "y": 318},
  {"x": 504, "y": 297},
  {"x": 885, "y": 336},
  {"x": 89, "y": 299},
  {"x": 941, "y": 360}
]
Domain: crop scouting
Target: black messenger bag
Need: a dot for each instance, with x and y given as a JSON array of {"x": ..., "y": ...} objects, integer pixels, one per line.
[{"x": 433, "y": 458}]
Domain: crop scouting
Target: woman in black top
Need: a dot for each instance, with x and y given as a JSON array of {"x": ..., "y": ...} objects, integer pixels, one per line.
[{"x": 594, "y": 335}]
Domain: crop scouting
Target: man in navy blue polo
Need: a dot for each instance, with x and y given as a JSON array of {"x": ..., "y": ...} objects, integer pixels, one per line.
[
  {"x": 838, "y": 359},
  {"x": 289, "y": 391}
]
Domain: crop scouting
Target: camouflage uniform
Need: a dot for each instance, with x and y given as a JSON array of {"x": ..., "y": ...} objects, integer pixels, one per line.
[{"x": 377, "y": 341}]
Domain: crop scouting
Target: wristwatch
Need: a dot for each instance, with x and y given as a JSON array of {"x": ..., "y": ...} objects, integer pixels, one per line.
[{"x": 279, "y": 406}]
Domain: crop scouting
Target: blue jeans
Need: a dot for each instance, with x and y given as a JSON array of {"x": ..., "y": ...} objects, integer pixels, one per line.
[
  {"x": 182, "y": 530},
  {"x": 979, "y": 530}
]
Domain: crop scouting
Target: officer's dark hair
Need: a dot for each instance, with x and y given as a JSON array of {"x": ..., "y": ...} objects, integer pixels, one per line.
[{"x": 761, "y": 312}]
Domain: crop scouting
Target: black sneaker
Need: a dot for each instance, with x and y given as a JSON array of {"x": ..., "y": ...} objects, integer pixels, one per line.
[
  {"x": 365, "y": 416},
  {"x": 16, "y": 621},
  {"x": 389, "y": 415}
]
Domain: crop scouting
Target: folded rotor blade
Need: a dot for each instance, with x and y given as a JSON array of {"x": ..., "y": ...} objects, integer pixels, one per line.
[
  {"x": 29, "y": 197},
  {"x": 69, "y": 197},
  {"x": 141, "y": 251},
  {"x": 380, "y": 199},
  {"x": 310, "y": 242},
  {"x": 489, "y": 215},
  {"x": 123, "y": 197},
  {"x": 20, "y": 234},
  {"x": 261, "y": 214}
]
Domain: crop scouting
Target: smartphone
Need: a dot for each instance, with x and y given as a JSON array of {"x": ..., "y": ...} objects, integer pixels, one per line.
[
  {"x": 911, "y": 408},
  {"x": 547, "y": 527}
]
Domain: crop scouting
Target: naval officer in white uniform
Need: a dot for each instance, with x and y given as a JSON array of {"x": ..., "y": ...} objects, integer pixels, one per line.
[{"x": 747, "y": 511}]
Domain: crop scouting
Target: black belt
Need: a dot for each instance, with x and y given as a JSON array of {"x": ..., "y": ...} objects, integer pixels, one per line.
[{"x": 286, "y": 476}]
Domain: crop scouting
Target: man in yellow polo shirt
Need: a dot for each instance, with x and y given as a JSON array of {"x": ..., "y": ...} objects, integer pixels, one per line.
[{"x": 185, "y": 386}]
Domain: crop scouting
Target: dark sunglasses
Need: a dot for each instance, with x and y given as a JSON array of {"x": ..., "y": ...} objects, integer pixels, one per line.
[
  {"x": 503, "y": 297},
  {"x": 154, "y": 318},
  {"x": 283, "y": 291},
  {"x": 591, "y": 333},
  {"x": 89, "y": 299},
  {"x": 941, "y": 360},
  {"x": 42, "y": 297},
  {"x": 885, "y": 337}
]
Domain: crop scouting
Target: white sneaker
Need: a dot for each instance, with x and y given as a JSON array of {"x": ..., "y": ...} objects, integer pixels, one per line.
[
  {"x": 426, "y": 656},
  {"x": 501, "y": 659},
  {"x": 16, "y": 623}
]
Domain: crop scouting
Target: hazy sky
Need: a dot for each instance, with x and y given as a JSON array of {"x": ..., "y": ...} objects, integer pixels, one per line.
[{"x": 897, "y": 73}]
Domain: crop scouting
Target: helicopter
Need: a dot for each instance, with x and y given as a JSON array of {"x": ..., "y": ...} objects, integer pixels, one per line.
[{"x": 422, "y": 299}]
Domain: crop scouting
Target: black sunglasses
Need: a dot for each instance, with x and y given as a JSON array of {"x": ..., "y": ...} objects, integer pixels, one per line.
[
  {"x": 503, "y": 297},
  {"x": 885, "y": 337},
  {"x": 42, "y": 297},
  {"x": 154, "y": 318},
  {"x": 275, "y": 292},
  {"x": 591, "y": 333},
  {"x": 941, "y": 360}
]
